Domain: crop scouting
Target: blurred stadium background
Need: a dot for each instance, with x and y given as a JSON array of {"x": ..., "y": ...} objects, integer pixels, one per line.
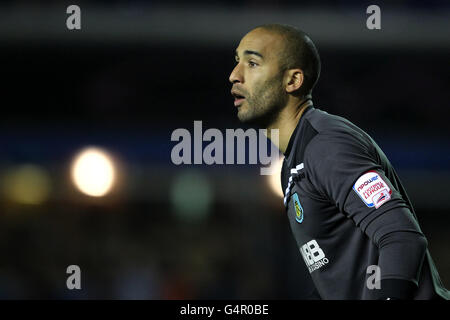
[{"x": 136, "y": 71}]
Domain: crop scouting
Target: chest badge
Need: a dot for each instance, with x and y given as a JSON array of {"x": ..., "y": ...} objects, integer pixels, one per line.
[{"x": 298, "y": 209}]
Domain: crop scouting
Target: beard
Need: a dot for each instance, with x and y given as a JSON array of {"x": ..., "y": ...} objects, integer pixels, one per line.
[{"x": 262, "y": 108}]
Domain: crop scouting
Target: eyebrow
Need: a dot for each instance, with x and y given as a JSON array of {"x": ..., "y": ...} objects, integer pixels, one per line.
[{"x": 251, "y": 52}]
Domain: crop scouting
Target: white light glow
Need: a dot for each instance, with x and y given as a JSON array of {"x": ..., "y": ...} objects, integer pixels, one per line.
[
  {"x": 93, "y": 172},
  {"x": 274, "y": 180}
]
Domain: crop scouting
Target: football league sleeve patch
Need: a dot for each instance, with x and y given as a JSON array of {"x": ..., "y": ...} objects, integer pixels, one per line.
[{"x": 372, "y": 189}]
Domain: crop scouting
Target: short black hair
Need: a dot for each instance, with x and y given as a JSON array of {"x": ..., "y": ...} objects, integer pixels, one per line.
[{"x": 299, "y": 52}]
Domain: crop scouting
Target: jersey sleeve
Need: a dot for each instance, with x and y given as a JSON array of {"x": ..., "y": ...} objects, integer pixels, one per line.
[{"x": 346, "y": 170}]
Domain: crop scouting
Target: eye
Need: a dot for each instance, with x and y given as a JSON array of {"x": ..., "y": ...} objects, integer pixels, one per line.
[{"x": 252, "y": 64}]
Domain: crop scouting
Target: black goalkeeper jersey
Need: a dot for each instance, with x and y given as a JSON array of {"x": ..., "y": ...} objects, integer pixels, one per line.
[{"x": 353, "y": 222}]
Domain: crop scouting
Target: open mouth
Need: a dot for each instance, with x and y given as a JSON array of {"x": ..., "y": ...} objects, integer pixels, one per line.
[{"x": 238, "y": 99}]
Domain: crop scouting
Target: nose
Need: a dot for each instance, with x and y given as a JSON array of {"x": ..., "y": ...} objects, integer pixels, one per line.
[{"x": 236, "y": 75}]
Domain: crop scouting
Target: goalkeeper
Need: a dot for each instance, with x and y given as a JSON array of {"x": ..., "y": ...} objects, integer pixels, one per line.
[{"x": 353, "y": 222}]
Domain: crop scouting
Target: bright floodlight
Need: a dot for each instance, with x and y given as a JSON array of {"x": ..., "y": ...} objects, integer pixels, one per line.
[
  {"x": 274, "y": 180},
  {"x": 93, "y": 172}
]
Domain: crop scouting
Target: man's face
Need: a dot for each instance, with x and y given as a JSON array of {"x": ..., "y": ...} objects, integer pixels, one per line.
[{"x": 257, "y": 78}]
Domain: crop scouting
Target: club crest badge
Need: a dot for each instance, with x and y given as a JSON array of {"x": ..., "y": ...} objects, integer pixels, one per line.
[{"x": 298, "y": 209}]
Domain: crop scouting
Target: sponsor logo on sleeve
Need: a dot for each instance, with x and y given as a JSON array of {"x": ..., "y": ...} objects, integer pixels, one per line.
[{"x": 372, "y": 189}]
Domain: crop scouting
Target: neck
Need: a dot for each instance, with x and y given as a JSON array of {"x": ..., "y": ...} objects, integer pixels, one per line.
[{"x": 287, "y": 121}]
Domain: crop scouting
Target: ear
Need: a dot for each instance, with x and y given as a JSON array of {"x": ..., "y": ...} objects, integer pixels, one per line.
[{"x": 295, "y": 78}]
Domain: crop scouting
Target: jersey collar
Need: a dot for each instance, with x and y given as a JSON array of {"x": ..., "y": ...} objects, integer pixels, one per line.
[{"x": 292, "y": 138}]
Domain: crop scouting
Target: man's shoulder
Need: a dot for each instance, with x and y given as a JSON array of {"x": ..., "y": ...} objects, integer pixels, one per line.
[
  {"x": 323, "y": 135},
  {"x": 326, "y": 123},
  {"x": 334, "y": 135}
]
